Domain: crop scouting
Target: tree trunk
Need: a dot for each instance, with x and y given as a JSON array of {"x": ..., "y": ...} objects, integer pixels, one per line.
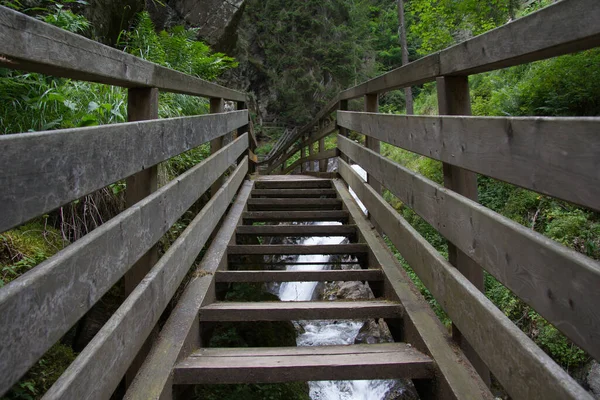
[{"x": 402, "y": 35}]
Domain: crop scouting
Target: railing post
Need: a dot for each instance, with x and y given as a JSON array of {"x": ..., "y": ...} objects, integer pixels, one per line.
[
  {"x": 142, "y": 104},
  {"x": 372, "y": 105},
  {"x": 311, "y": 150},
  {"x": 246, "y": 128},
  {"x": 302, "y": 154},
  {"x": 454, "y": 99},
  {"x": 322, "y": 163},
  {"x": 216, "y": 106},
  {"x": 343, "y": 131}
]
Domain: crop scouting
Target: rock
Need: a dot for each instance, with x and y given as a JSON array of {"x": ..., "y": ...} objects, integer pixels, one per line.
[
  {"x": 373, "y": 332},
  {"x": 110, "y": 17},
  {"x": 402, "y": 390},
  {"x": 593, "y": 379},
  {"x": 350, "y": 291}
]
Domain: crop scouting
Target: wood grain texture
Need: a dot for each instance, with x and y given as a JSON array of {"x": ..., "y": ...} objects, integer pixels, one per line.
[
  {"x": 31, "y": 45},
  {"x": 97, "y": 371},
  {"x": 300, "y": 276},
  {"x": 298, "y": 249},
  {"x": 37, "y": 309},
  {"x": 499, "y": 342},
  {"x": 293, "y": 364},
  {"x": 297, "y": 230},
  {"x": 456, "y": 378},
  {"x": 293, "y": 193},
  {"x": 298, "y": 310},
  {"x": 282, "y": 182},
  {"x": 559, "y": 157},
  {"x": 295, "y": 216},
  {"x": 557, "y": 282},
  {"x": 74, "y": 162},
  {"x": 293, "y": 204},
  {"x": 155, "y": 377}
]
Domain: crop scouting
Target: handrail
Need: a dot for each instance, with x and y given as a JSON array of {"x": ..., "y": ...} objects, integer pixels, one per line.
[{"x": 32, "y": 45}]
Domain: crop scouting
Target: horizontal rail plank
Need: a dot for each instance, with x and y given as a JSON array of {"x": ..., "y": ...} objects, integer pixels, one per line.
[
  {"x": 37, "y": 309},
  {"x": 293, "y": 204},
  {"x": 313, "y": 157},
  {"x": 287, "y": 183},
  {"x": 295, "y": 216},
  {"x": 298, "y": 310},
  {"x": 74, "y": 162},
  {"x": 298, "y": 249},
  {"x": 555, "y": 156},
  {"x": 294, "y": 364},
  {"x": 524, "y": 40},
  {"x": 97, "y": 371},
  {"x": 556, "y": 281},
  {"x": 499, "y": 342},
  {"x": 31, "y": 45},
  {"x": 457, "y": 379},
  {"x": 154, "y": 379},
  {"x": 293, "y": 193},
  {"x": 300, "y": 276},
  {"x": 297, "y": 230}
]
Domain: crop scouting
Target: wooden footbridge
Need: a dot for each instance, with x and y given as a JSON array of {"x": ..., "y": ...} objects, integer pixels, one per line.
[{"x": 558, "y": 157}]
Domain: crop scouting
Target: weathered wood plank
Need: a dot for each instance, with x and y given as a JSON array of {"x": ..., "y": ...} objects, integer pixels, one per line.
[
  {"x": 559, "y": 283},
  {"x": 97, "y": 371},
  {"x": 74, "y": 162},
  {"x": 290, "y": 183},
  {"x": 555, "y": 156},
  {"x": 271, "y": 365},
  {"x": 298, "y": 216},
  {"x": 299, "y": 310},
  {"x": 420, "y": 326},
  {"x": 217, "y": 105},
  {"x": 300, "y": 276},
  {"x": 275, "y": 204},
  {"x": 499, "y": 342},
  {"x": 296, "y": 249},
  {"x": 295, "y": 193},
  {"x": 319, "y": 156},
  {"x": 31, "y": 45},
  {"x": 297, "y": 230},
  {"x": 37, "y": 309},
  {"x": 154, "y": 380}
]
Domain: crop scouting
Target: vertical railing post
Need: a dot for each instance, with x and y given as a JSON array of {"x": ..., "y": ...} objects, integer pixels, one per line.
[
  {"x": 454, "y": 99},
  {"x": 343, "y": 131},
  {"x": 216, "y": 106},
  {"x": 243, "y": 129},
  {"x": 302, "y": 153},
  {"x": 322, "y": 163},
  {"x": 372, "y": 105},
  {"x": 311, "y": 150},
  {"x": 142, "y": 104}
]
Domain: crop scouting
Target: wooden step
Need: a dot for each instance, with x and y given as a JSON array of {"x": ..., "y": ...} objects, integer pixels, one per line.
[
  {"x": 277, "y": 204},
  {"x": 298, "y": 249},
  {"x": 300, "y": 276},
  {"x": 299, "y": 310},
  {"x": 293, "y": 364},
  {"x": 294, "y": 193},
  {"x": 297, "y": 230},
  {"x": 293, "y": 184},
  {"x": 295, "y": 216}
]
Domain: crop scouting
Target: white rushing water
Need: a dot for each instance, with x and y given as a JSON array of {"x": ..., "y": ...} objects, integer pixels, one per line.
[{"x": 323, "y": 333}]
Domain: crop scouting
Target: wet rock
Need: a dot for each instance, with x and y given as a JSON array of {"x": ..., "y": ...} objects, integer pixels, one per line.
[
  {"x": 402, "y": 390},
  {"x": 373, "y": 332},
  {"x": 589, "y": 377},
  {"x": 349, "y": 291}
]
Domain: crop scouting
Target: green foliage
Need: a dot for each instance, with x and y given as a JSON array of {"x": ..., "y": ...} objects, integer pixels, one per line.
[{"x": 66, "y": 19}]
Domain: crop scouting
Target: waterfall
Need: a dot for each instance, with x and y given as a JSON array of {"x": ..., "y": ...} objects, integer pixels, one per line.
[{"x": 322, "y": 333}]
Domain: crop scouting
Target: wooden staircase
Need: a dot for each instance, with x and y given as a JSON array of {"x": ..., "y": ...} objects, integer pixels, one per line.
[{"x": 286, "y": 203}]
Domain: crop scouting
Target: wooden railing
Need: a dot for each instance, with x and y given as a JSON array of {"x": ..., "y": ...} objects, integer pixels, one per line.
[
  {"x": 44, "y": 170},
  {"x": 558, "y": 157}
]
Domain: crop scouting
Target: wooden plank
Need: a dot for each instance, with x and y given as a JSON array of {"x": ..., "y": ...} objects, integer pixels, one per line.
[
  {"x": 372, "y": 105},
  {"x": 181, "y": 329},
  {"x": 290, "y": 183},
  {"x": 499, "y": 342},
  {"x": 300, "y": 276},
  {"x": 75, "y": 162},
  {"x": 294, "y": 193},
  {"x": 97, "y": 371},
  {"x": 142, "y": 104},
  {"x": 297, "y": 249},
  {"x": 29, "y": 44},
  {"x": 454, "y": 99},
  {"x": 456, "y": 378},
  {"x": 319, "y": 156},
  {"x": 217, "y": 105},
  {"x": 556, "y": 281},
  {"x": 298, "y": 310},
  {"x": 322, "y": 163},
  {"x": 559, "y": 157},
  {"x": 528, "y": 39},
  {"x": 295, "y": 216},
  {"x": 272, "y": 365},
  {"x": 37, "y": 309},
  {"x": 274, "y": 204},
  {"x": 297, "y": 230}
]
